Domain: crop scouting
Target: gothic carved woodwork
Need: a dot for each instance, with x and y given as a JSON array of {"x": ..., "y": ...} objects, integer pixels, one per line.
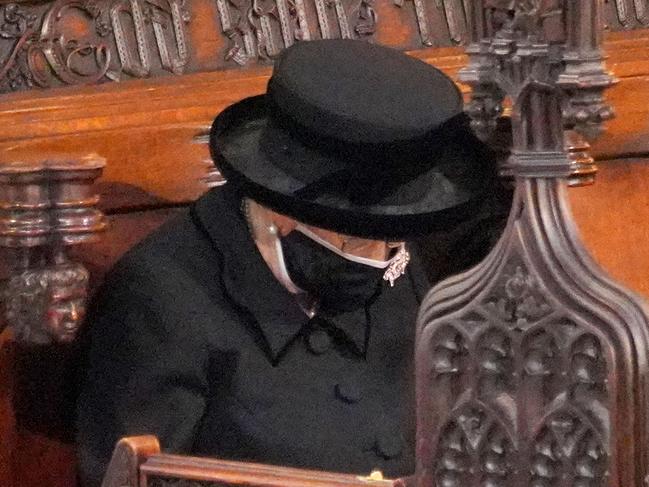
[
  {"x": 259, "y": 29},
  {"x": 454, "y": 14},
  {"x": 532, "y": 367},
  {"x": 44, "y": 208},
  {"x": 632, "y": 11},
  {"x": 167, "y": 17},
  {"x": 47, "y": 44},
  {"x": 42, "y": 46},
  {"x": 453, "y": 18}
]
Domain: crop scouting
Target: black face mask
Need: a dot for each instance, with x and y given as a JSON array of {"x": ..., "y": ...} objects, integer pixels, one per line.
[{"x": 338, "y": 284}]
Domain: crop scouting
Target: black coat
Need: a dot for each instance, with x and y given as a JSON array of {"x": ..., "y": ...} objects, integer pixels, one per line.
[{"x": 193, "y": 340}]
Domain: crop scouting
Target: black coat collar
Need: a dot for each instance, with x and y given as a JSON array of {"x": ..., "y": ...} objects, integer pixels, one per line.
[{"x": 275, "y": 311}]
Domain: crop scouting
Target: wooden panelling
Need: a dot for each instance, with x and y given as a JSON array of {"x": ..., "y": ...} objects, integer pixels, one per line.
[
  {"x": 7, "y": 418},
  {"x": 49, "y": 43},
  {"x": 613, "y": 218},
  {"x": 152, "y": 166},
  {"x": 32, "y": 451},
  {"x": 40, "y": 459},
  {"x": 628, "y": 133},
  {"x": 129, "y": 41}
]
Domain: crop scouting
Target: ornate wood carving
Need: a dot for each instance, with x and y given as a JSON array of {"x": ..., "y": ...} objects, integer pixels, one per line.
[
  {"x": 259, "y": 29},
  {"x": 42, "y": 46},
  {"x": 454, "y": 17},
  {"x": 453, "y": 12},
  {"x": 632, "y": 11},
  {"x": 137, "y": 38},
  {"x": 532, "y": 367},
  {"x": 44, "y": 208}
]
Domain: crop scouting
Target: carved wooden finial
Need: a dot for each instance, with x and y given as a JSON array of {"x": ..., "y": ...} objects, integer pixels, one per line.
[
  {"x": 532, "y": 367},
  {"x": 45, "y": 207}
]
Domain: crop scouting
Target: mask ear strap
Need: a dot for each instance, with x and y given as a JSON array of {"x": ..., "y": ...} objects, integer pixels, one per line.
[
  {"x": 279, "y": 270},
  {"x": 266, "y": 236}
]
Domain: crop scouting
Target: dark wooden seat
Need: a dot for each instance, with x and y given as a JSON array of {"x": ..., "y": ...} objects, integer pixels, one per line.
[{"x": 138, "y": 462}]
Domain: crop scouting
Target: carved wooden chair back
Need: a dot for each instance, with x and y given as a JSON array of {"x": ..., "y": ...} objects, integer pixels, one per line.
[{"x": 532, "y": 367}]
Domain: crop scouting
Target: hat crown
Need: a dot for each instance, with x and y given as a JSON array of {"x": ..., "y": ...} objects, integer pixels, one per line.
[
  {"x": 360, "y": 93},
  {"x": 356, "y": 138}
]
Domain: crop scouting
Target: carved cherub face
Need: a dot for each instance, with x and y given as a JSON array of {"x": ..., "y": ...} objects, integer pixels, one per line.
[
  {"x": 66, "y": 309},
  {"x": 48, "y": 304}
]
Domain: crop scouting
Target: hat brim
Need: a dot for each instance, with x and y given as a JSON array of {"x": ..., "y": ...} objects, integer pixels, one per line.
[{"x": 270, "y": 166}]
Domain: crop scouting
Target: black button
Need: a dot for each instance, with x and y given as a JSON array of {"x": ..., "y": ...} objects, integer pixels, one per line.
[
  {"x": 318, "y": 342},
  {"x": 349, "y": 391},
  {"x": 389, "y": 444}
]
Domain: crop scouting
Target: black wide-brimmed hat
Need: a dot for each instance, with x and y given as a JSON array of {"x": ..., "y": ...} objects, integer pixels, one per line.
[{"x": 356, "y": 138}]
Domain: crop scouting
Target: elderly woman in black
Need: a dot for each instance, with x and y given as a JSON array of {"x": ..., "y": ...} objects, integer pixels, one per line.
[{"x": 274, "y": 320}]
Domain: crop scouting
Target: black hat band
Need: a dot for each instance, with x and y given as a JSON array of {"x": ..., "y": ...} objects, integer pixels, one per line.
[{"x": 381, "y": 157}]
